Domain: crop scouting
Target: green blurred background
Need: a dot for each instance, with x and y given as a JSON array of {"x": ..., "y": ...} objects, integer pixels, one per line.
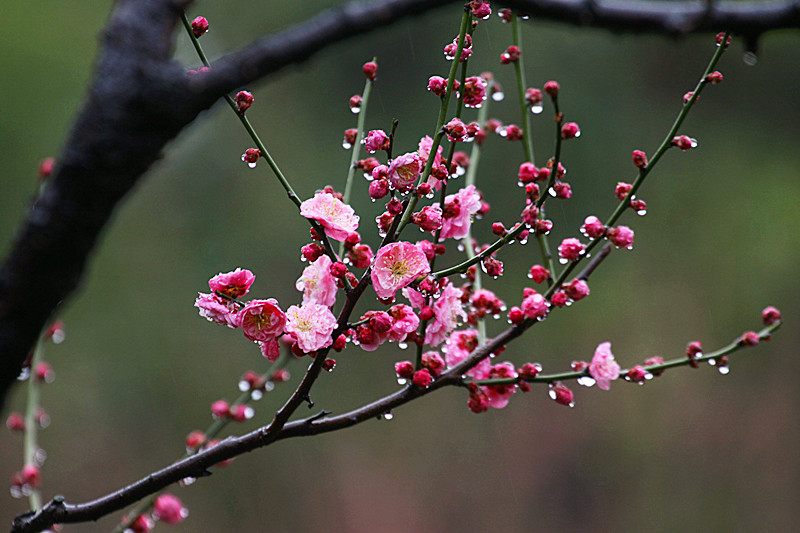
[{"x": 691, "y": 451}]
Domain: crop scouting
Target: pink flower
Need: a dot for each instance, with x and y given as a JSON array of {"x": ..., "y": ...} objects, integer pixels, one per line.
[
  {"x": 338, "y": 218},
  {"x": 459, "y": 345},
  {"x": 571, "y": 249},
  {"x": 593, "y": 228},
  {"x": 424, "y": 151},
  {"x": 535, "y": 306},
  {"x": 500, "y": 394},
  {"x": 429, "y": 218},
  {"x": 217, "y": 309},
  {"x": 262, "y": 320},
  {"x": 270, "y": 349},
  {"x": 396, "y": 266},
  {"x": 312, "y": 326},
  {"x": 376, "y": 140},
  {"x": 233, "y": 284},
  {"x": 404, "y": 171},
  {"x": 462, "y": 205},
  {"x": 447, "y": 310},
  {"x": 405, "y": 322},
  {"x": 169, "y": 509},
  {"x": 621, "y": 236},
  {"x": 603, "y": 368},
  {"x": 317, "y": 282}
]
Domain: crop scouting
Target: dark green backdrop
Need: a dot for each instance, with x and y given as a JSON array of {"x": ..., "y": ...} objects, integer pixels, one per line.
[{"x": 692, "y": 451}]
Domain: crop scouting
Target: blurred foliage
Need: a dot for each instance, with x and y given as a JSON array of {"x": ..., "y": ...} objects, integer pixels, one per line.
[{"x": 691, "y": 451}]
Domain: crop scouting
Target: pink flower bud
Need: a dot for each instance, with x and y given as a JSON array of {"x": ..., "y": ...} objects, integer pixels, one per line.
[
  {"x": 480, "y": 9},
  {"x": 394, "y": 206},
  {"x": 570, "y": 130},
  {"x": 169, "y": 509},
  {"x": 404, "y": 369},
  {"x": 655, "y": 360},
  {"x": 493, "y": 267},
  {"x": 516, "y": 315},
  {"x": 241, "y": 412},
  {"x": 770, "y": 315},
  {"x": 693, "y": 350},
  {"x": 593, "y": 228},
  {"x": 195, "y": 439},
  {"x": 281, "y": 375},
  {"x": 220, "y": 409},
  {"x": 637, "y": 374},
  {"x": 538, "y": 273},
  {"x": 434, "y": 363},
  {"x": 456, "y": 130},
  {"x": 533, "y": 97},
  {"x": 505, "y": 15},
  {"x": 535, "y": 306},
  {"x": 512, "y": 132},
  {"x": 571, "y": 249},
  {"x": 719, "y": 37},
  {"x": 311, "y": 252},
  {"x": 527, "y": 172},
  {"x": 684, "y": 142},
  {"x": 46, "y": 168},
  {"x": 714, "y": 78},
  {"x": 370, "y": 70},
  {"x": 640, "y": 206},
  {"x": 338, "y": 269},
  {"x": 422, "y": 378},
  {"x": 511, "y": 54},
  {"x": 532, "y": 192},
  {"x": 376, "y": 140},
  {"x": 478, "y": 399},
  {"x": 542, "y": 227},
  {"x": 688, "y": 96},
  {"x": 15, "y": 422},
  {"x": 31, "y": 475},
  {"x": 199, "y": 26},
  {"x": 577, "y": 289},
  {"x": 552, "y": 88},
  {"x": 622, "y": 189},
  {"x": 639, "y": 159},
  {"x": 529, "y": 370},
  {"x": 563, "y": 190},
  {"x": 349, "y": 138},
  {"x": 559, "y": 299},
  {"x": 355, "y": 103},
  {"x": 243, "y": 101},
  {"x": 437, "y": 85},
  {"x": 142, "y": 524},
  {"x": 44, "y": 373},
  {"x": 378, "y": 189},
  {"x": 749, "y": 338},
  {"x": 562, "y": 394},
  {"x": 621, "y": 236},
  {"x": 251, "y": 155}
]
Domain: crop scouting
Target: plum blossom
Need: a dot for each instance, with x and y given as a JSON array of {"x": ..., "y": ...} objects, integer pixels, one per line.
[
  {"x": 217, "y": 310},
  {"x": 317, "y": 282},
  {"x": 462, "y": 205},
  {"x": 262, "y": 320},
  {"x": 169, "y": 509},
  {"x": 312, "y": 326},
  {"x": 376, "y": 140},
  {"x": 459, "y": 345},
  {"x": 405, "y": 322},
  {"x": 396, "y": 266},
  {"x": 338, "y": 218},
  {"x": 234, "y": 284},
  {"x": 500, "y": 394},
  {"x": 404, "y": 171},
  {"x": 603, "y": 368},
  {"x": 447, "y": 310}
]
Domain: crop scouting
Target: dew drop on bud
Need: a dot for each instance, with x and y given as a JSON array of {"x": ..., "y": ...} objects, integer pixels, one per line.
[
  {"x": 563, "y": 261},
  {"x": 388, "y": 415},
  {"x": 355, "y": 110},
  {"x": 750, "y": 58},
  {"x": 498, "y": 96},
  {"x": 538, "y": 108},
  {"x": 269, "y": 386},
  {"x": 586, "y": 381},
  {"x": 244, "y": 385},
  {"x": 251, "y": 165},
  {"x": 185, "y": 482},
  {"x": 256, "y": 395},
  {"x": 641, "y": 212},
  {"x": 693, "y": 144},
  {"x": 724, "y": 370},
  {"x": 346, "y": 145},
  {"x": 402, "y": 381},
  {"x": 552, "y": 192}
]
